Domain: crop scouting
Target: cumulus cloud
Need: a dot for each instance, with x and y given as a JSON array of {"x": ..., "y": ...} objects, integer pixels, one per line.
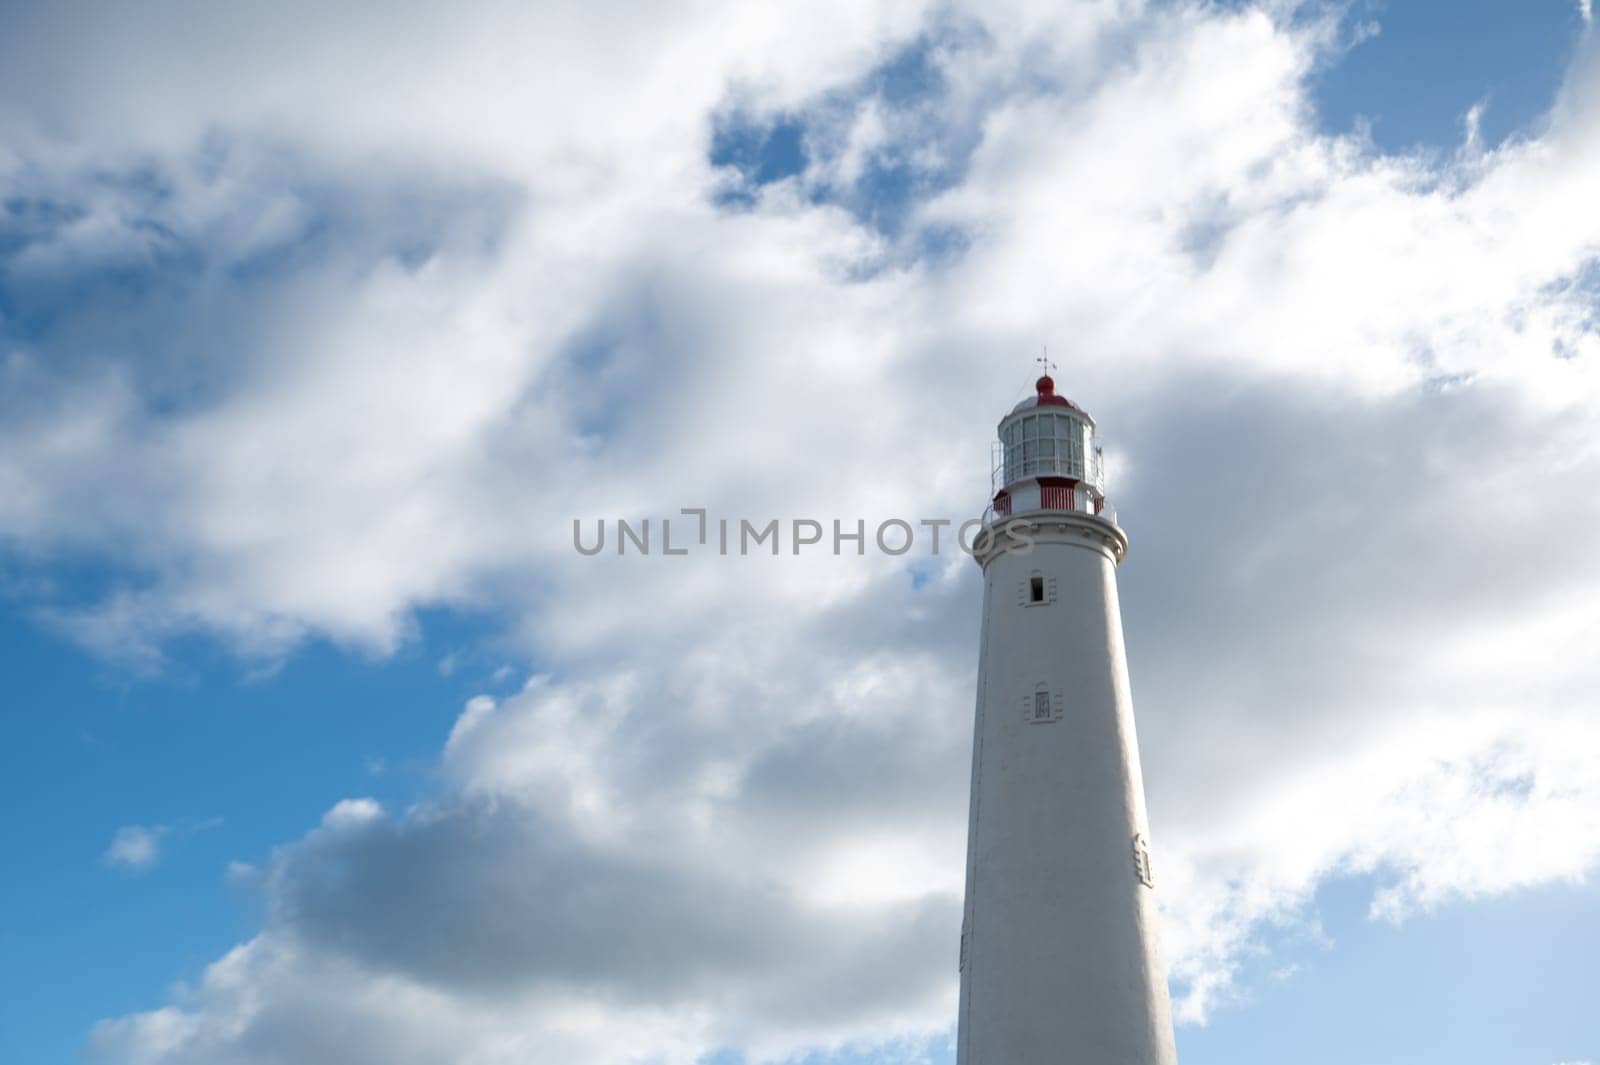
[{"x": 299, "y": 370}]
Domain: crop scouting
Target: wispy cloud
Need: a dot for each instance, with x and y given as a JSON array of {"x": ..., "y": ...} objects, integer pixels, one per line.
[{"x": 137, "y": 848}]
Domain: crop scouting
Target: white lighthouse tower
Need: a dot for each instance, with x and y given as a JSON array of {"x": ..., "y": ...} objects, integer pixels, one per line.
[{"x": 1060, "y": 947}]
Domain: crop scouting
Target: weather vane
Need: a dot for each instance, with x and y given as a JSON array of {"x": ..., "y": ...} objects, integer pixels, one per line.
[{"x": 1044, "y": 361}]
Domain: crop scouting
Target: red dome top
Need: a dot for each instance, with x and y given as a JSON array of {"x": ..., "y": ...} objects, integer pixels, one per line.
[{"x": 1046, "y": 387}]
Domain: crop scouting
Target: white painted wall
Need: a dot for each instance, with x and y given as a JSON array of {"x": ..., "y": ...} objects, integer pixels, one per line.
[{"x": 1061, "y": 939}]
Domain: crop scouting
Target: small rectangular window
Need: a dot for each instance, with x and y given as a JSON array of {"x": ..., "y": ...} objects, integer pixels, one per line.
[
  {"x": 1041, "y": 706},
  {"x": 1036, "y": 590}
]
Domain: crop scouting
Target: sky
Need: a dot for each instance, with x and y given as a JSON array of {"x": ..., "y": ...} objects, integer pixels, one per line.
[{"x": 319, "y": 328}]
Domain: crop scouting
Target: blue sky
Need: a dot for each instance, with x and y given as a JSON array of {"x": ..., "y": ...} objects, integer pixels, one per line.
[
  {"x": 1416, "y": 77},
  {"x": 265, "y": 753},
  {"x": 297, "y": 403}
]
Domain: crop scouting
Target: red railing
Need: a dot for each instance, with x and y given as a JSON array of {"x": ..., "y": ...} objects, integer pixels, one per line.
[{"x": 1058, "y": 497}]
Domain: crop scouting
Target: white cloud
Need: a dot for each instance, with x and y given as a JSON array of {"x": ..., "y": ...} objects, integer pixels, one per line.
[
  {"x": 141, "y": 847},
  {"x": 242, "y": 872},
  {"x": 135, "y": 847},
  {"x": 351, "y": 813},
  {"x": 1351, "y": 399}
]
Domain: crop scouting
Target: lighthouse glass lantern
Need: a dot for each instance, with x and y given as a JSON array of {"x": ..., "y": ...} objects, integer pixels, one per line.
[{"x": 1047, "y": 457}]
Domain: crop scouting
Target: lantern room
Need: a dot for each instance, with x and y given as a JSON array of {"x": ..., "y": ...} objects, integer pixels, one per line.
[{"x": 1047, "y": 457}]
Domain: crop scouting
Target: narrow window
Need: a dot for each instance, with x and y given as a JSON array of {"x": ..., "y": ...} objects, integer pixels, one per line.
[
  {"x": 1036, "y": 589},
  {"x": 1141, "y": 862},
  {"x": 1041, "y": 706}
]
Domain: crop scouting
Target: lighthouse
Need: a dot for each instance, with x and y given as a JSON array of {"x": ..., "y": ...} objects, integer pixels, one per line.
[{"x": 1060, "y": 945}]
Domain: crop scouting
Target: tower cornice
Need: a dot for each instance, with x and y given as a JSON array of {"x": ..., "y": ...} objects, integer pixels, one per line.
[{"x": 1027, "y": 531}]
